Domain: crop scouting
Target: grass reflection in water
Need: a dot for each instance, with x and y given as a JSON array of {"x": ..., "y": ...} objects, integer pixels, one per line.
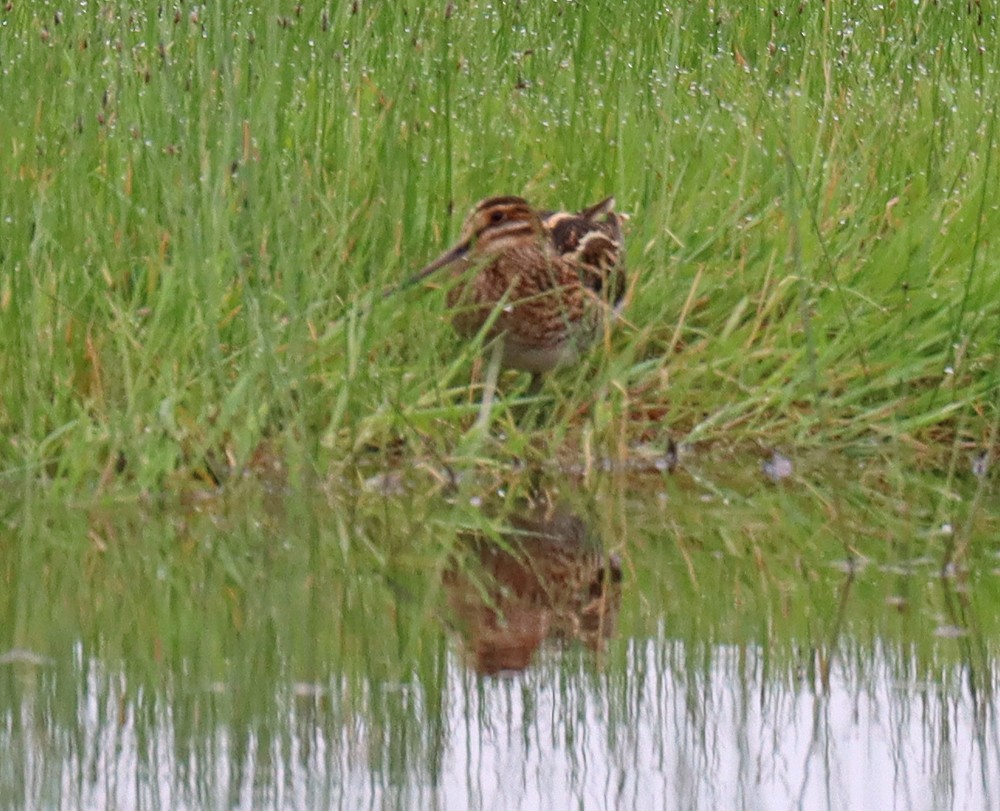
[{"x": 721, "y": 637}]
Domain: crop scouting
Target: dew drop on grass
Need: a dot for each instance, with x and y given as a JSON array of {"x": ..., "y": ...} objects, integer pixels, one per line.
[{"x": 778, "y": 467}]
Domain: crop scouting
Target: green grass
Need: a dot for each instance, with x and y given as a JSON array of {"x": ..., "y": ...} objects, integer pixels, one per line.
[{"x": 200, "y": 206}]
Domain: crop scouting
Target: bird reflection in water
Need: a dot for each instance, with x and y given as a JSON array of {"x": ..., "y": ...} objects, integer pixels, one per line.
[{"x": 547, "y": 577}]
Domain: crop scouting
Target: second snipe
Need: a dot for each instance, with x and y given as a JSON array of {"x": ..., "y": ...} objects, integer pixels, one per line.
[{"x": 542, "y": 283}]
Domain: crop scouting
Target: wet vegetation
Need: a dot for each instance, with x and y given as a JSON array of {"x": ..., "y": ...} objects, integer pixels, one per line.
[
  {"x": 200, "y": 206},
  {"x": 263, "y": 543}
]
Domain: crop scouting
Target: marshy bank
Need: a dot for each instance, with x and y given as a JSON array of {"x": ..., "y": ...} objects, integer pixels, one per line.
[{"x": 263, "y": 545}]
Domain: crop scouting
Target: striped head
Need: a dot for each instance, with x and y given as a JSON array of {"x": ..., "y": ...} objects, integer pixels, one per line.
[
  {"x": 494, "y": 226},
  {"x": 498, "y": 224}
]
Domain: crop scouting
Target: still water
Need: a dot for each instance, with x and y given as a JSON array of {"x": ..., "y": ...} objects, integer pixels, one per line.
[{"x": 690, "y": 641}]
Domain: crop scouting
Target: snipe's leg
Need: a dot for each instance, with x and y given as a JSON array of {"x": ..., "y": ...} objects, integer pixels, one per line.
[
  {"x": 535, "y": 414},
  {"x": 482, "y": 423},
  {"x": 535, "y": 386}
]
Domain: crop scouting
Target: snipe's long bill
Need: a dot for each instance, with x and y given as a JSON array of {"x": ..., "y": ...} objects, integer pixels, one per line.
[{"x": 544, "y": 281}]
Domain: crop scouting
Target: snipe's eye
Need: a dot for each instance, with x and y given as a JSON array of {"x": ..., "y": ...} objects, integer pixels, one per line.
[{"x": 496, "y": 216}]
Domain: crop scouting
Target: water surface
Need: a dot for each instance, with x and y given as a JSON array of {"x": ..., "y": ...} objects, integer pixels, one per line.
[{"x": 707, "y": 639}]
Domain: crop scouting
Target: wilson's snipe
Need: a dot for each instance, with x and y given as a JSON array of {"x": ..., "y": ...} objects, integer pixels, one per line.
[
  {"x": 549, "y": 578},
  {"x": 544, "y": 282}
]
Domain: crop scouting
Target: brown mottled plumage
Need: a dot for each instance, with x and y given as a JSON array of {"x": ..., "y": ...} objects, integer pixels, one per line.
[
  {"x": 542, "y": 282},
  {"x": 592, "y": 239},
  {"x": 549, "y": 579}
]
